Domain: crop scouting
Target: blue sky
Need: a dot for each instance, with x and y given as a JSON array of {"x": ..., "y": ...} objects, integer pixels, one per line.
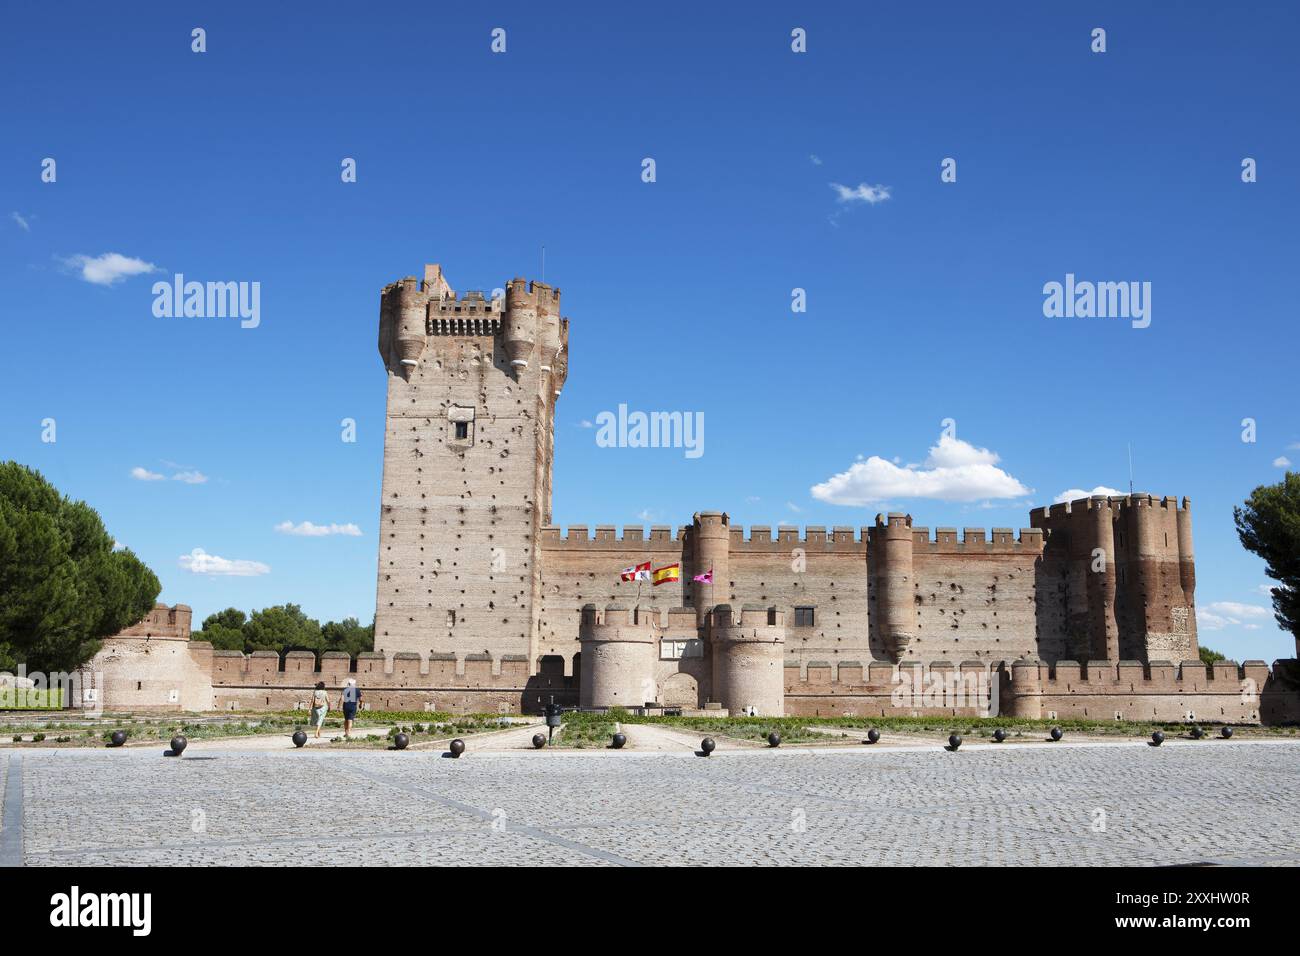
[{"x": 924, "y": 298}]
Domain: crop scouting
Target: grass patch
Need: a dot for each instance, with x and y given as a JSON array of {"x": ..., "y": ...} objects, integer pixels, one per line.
[
  {"x": 795, "y": 729},
  {"x": 583, "y": 731},
  {"x": 26, "y": 698}
]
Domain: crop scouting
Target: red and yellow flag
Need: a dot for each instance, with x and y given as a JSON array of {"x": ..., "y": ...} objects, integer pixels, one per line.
[{"x": 667, "y": 575}]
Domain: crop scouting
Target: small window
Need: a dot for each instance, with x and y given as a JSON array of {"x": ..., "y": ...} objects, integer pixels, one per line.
[
  {"x": 803, "y": 617},
  {"x": 451, "y": 618},
  {"x": 462, "y": 430}
]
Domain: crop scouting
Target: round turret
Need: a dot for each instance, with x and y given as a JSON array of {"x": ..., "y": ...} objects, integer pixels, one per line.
[
  {"x": 548, "y": 325},
  {"x": 891, "y": 542},
  {"x": 1024, "y": 696},
  {"x": 520, "y": 323},
  {"x": 618, "y": 657},
  {"x": 410, "y": 313},
  {"x": 711, "y": 539},
  {"x": 749, "y": 659}
]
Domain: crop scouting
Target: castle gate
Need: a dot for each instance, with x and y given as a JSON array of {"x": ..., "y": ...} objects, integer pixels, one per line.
[{"x": 680, "y": 690}]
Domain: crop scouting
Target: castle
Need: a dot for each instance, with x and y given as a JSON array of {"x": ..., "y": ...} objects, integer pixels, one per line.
[{"x": 483, "y": 605}]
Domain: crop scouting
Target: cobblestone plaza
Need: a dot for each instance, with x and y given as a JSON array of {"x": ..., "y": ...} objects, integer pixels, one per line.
[{"x": 1074, "y": 804}]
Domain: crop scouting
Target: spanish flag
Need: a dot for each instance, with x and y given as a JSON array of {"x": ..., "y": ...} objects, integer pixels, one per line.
[{"x": 667, "y": 575}]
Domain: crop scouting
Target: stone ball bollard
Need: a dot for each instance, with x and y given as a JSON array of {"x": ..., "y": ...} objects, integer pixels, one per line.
[
  {"x": 873, "y": 736},
  {"x": 1056, "y": 733},
  {"x": 117, "y": 739},
  {"x": 954, "y": 741},
  {"x": 539, "y": 741},
  {"x": 617, "y": 741},
  {"x": 774, "y": 739},
  {"x": 1226, "y": 732},
  {"x": 1197, "y": 733},
  {"x": 299, "y": 739},
  {"x": 179, "y": 744},
  {"x": 401, "y": 741},
  {"x": 457, "y": 747},
  {"x": 999, "y": 735},
  {"x": 707, "y": 746},
  {"x": 1158, "y": 738}
]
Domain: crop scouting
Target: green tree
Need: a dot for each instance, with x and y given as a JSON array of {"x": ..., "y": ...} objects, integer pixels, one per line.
[
  {"x": 223, "y": 630},
  {"x": 1209, "y": 657},
  {"x": 281, "y": 628},
  {"x": 348, "y": 636},
  {"x": 63, "y": 587},
  {"x": 1269, "y": 525}
]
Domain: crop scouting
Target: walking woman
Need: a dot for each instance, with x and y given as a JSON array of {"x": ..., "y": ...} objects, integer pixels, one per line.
[{"x": 320, "y": 705}]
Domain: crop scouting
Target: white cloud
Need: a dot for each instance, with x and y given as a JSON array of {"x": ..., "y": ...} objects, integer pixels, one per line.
[
  {"x": 199, "y": 561},
  {"x": 1265, "y": 589},
  {"x": 860, "y": 193},
  {"x": 1281, "y": 461},
  {"x": 144, "y": 474},
  {"x": 308, "y": 530},
  {"x": 1074, "y": 494},
  {"x": 22, "y": 223},
  {"x": 190, "y": 477},
  {"x": 586, "y": 423},
  {"x": 110, "y": 268},
  {"x": 1217, "y": 615},
  {"x": 954, "y": 471},
  {"x": 815, "y": 159}
]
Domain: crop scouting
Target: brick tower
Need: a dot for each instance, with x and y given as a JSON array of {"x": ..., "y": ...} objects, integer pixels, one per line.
[{"x": 468, "y": 448}]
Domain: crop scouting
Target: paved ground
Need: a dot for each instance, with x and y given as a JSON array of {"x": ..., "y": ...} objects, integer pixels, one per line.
[{"x": 1210, "y": 801}]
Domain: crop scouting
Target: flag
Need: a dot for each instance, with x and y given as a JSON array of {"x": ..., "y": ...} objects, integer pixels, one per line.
[
  {"x": 667, "y": 575},
  {"x": 705, "y": 578},
  {"x": 638, "y": 572}
]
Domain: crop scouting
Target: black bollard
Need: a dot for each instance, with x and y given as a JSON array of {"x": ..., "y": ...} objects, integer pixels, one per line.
[
  {"x": 299, "y": 738},
  {"x": 873, "y": 736},
  {"x": 1158, "y": 738},
  {"x": 401, "y": 741},
  {"x": 117, "y": 739},
  {"x": 179, "y": 744},
  {"x": 539, "y": 741},
  {"x": 707, "y": 746},
  {"x": 1226, "y": 732},
  {"x": 457, "y": 747},
  {"x": 774, "y": 739},
  {"x": 1056, "y": 733},
  {"x": 999, "y": 735},
  {"x": 1197, "y": 733},
  {"x": 617, "y": 741},
  {"x": 954, "y": 741}
]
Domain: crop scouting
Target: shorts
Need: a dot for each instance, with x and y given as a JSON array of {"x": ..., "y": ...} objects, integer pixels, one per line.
[{"x": 349, "y": 711}]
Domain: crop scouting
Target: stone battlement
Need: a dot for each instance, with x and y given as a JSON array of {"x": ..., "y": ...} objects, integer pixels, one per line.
[
  {"x": 761, "y": 539},
  {"x": 1114, "y": 502}
]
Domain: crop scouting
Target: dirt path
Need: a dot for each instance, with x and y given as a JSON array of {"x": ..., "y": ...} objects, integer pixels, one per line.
[{"x": 653, "y": 737}]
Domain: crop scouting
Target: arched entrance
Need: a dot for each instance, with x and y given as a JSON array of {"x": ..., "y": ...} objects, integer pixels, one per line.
[{"x": 680, "y": 690}]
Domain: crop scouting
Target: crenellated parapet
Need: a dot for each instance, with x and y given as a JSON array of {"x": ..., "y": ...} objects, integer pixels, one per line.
[
  {"x": 526, "y": 320},
  {"x": 618, "y": 656}
]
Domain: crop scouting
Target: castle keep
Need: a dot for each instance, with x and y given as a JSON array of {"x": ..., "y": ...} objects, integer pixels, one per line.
[{"x": 483, "y": 605}]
